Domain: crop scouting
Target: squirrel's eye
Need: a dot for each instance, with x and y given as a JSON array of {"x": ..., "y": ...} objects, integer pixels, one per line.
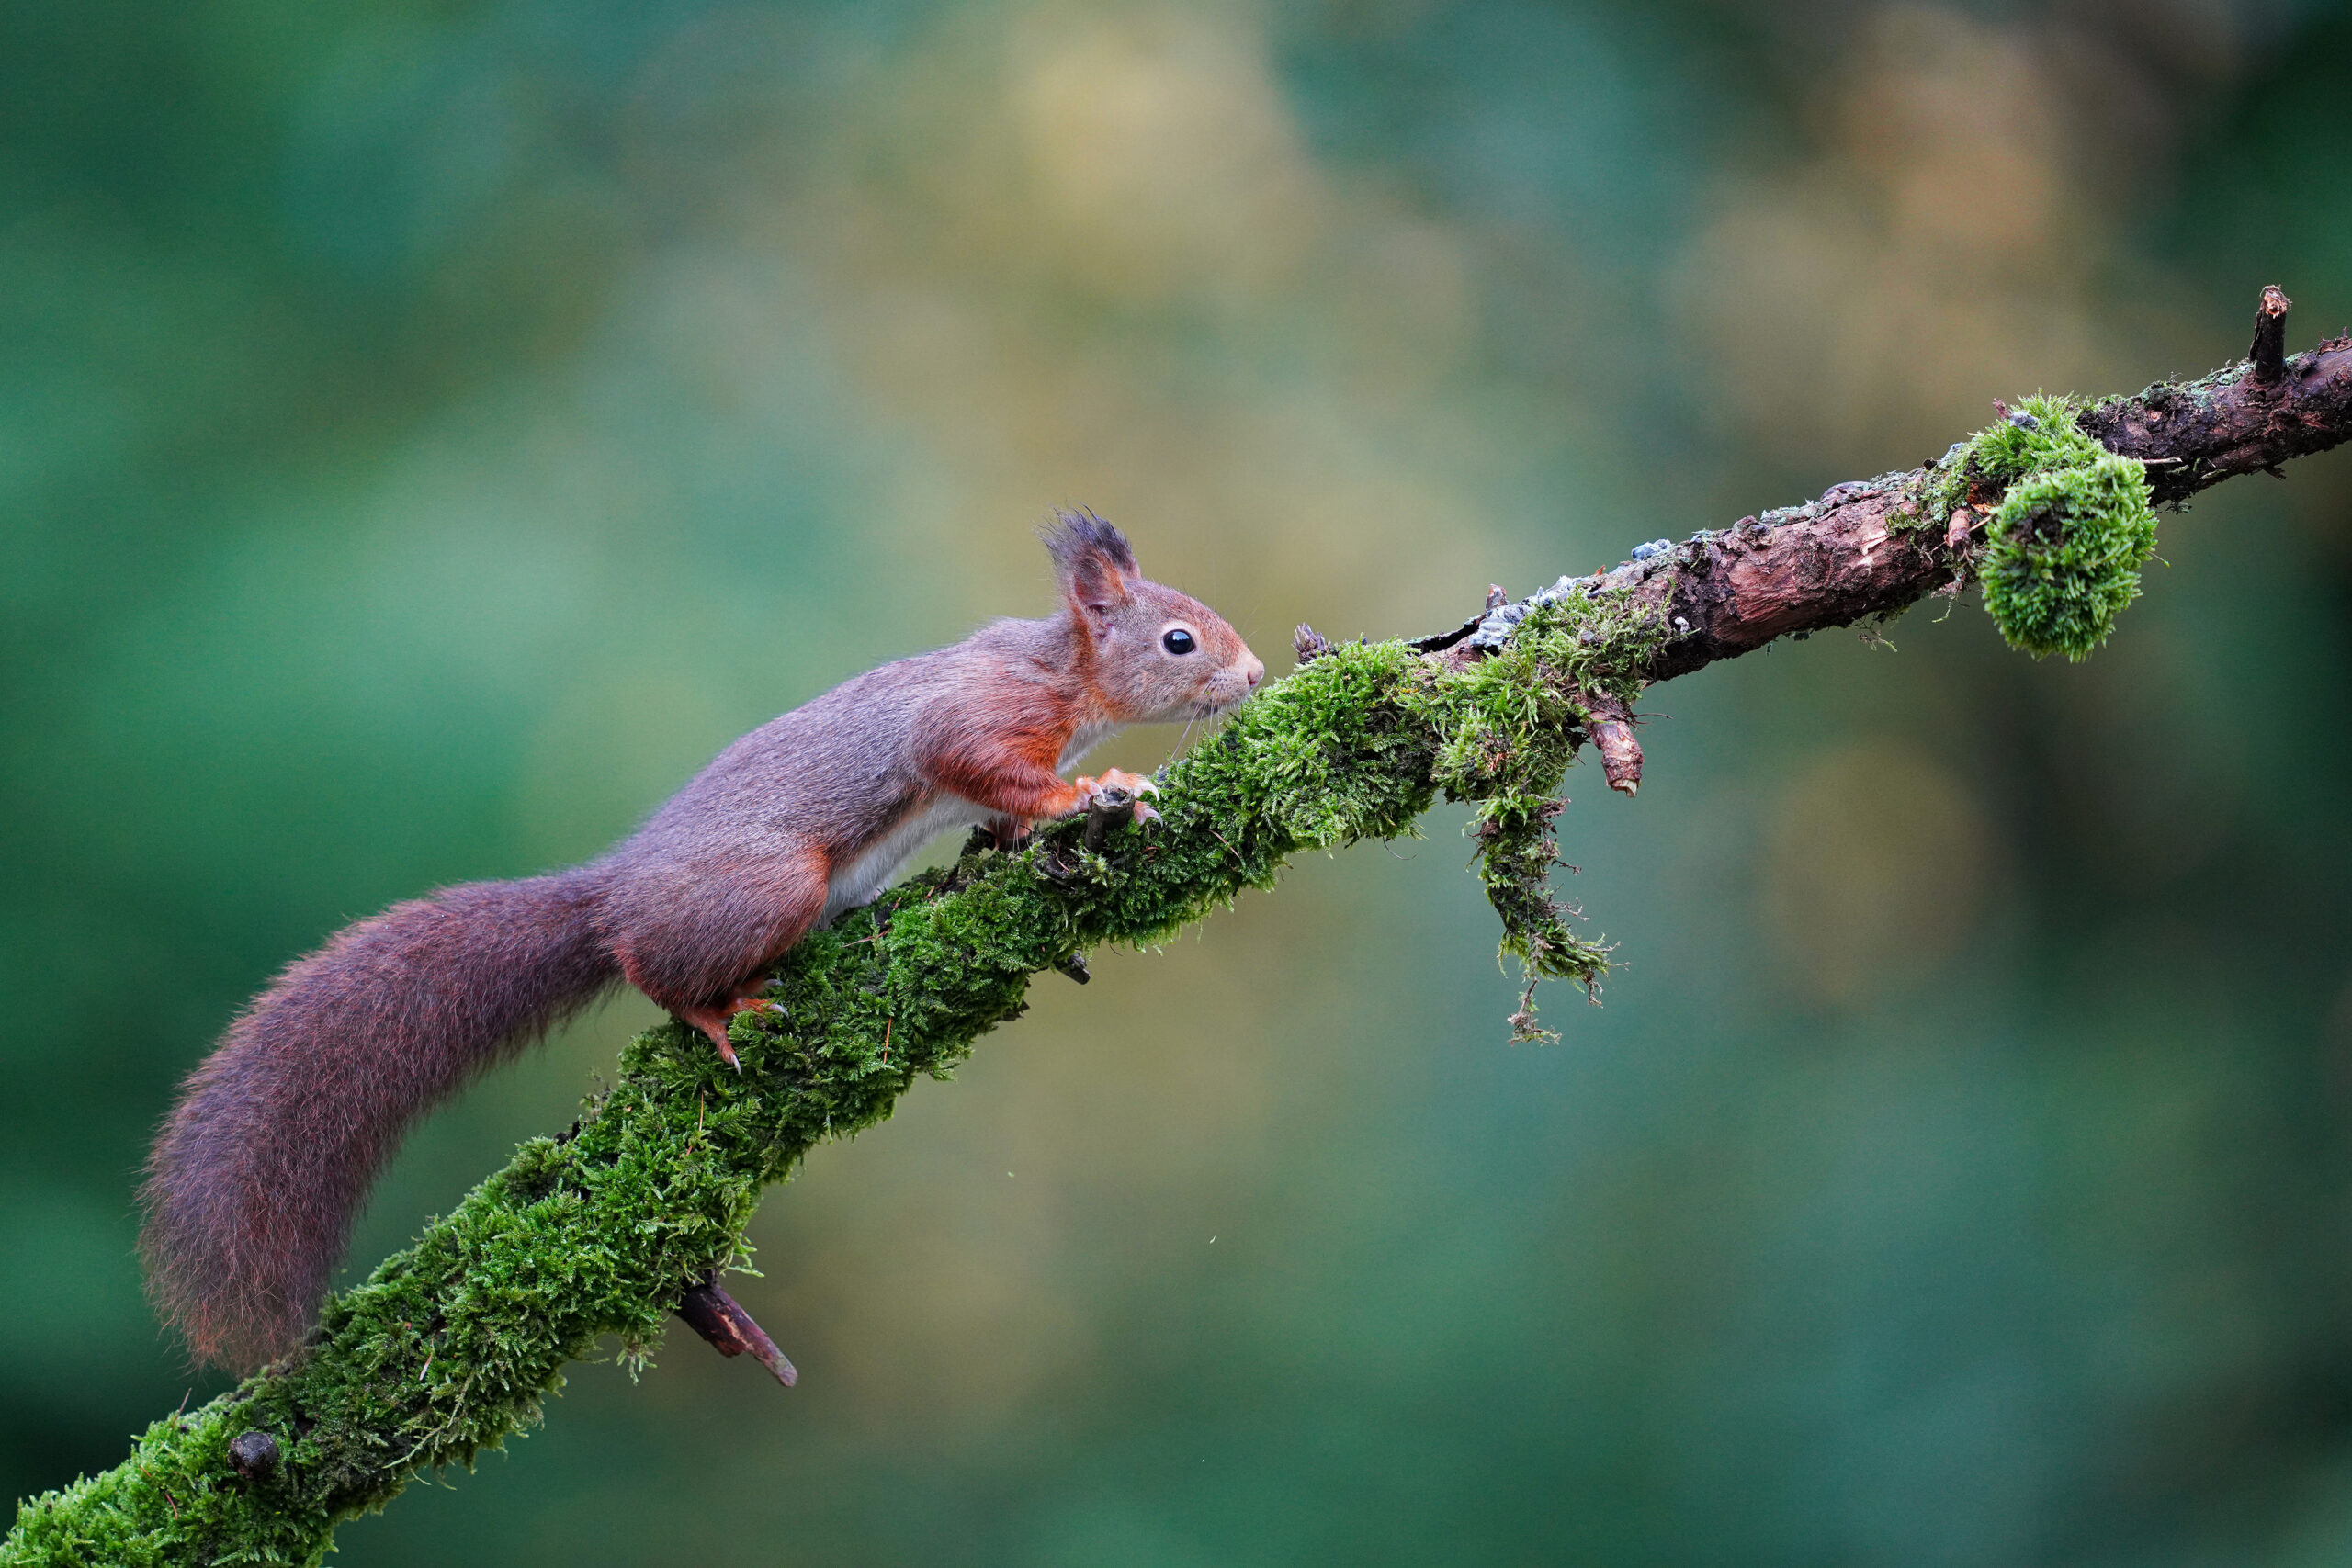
[{"x": 1176, "y": 639}]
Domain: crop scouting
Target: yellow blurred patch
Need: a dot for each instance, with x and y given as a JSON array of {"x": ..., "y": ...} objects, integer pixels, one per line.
[{"x": 1877, "y": 862}]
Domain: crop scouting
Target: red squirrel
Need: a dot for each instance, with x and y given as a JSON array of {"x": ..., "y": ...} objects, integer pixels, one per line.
[{"x": 262, "y": 1165}]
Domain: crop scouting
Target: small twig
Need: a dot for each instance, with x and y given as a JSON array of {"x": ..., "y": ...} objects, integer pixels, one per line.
[
  {"x": 1107, "y": 806},
  {"x": 2269, "y": 350},
  {"x": 1609, "y": 725},
  {"x": 722, "y": 1320}
]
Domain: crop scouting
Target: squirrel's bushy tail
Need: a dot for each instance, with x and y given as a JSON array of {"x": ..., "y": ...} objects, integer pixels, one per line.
[{"x": 261, "y": 1168}]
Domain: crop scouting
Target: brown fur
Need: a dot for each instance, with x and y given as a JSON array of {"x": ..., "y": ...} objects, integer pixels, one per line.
[{"x": 277, "y": 1136}]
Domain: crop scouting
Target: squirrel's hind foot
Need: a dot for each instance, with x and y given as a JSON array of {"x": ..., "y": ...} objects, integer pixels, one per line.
[{"x": 713, "y": 1021}]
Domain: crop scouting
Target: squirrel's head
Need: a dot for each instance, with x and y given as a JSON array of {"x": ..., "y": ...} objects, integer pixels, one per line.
[{"x": 1155, "y": 654}]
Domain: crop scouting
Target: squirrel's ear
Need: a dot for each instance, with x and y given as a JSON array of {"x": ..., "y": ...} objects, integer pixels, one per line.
[{"x": 1093, "y": 562}]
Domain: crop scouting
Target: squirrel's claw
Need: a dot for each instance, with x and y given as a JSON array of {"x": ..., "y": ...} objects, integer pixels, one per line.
[
  {"x": 713, "y": 1021},
  {"x": 717, "y": 1036}
]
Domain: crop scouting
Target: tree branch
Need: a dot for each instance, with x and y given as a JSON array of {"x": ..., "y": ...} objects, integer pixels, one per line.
[{"x": 452, "y": 1344}]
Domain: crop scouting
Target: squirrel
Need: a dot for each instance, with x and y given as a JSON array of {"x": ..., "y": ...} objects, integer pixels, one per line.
[{"x": 263, "y": 1163}]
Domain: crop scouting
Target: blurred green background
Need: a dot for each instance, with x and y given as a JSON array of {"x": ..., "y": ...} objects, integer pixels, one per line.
[{"x": 429, "y": 429}]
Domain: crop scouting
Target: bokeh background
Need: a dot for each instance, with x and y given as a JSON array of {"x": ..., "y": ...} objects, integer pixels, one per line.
[{"x": 429, "y": 429}]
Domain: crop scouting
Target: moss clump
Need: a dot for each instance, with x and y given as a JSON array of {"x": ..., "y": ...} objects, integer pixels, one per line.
[
  {"x": 2070, "y": 526},
  {"x": 2063, "y": 553}
]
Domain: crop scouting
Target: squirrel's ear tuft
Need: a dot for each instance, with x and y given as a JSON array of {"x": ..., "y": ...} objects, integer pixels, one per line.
[{"x": 1093, "y": 559}]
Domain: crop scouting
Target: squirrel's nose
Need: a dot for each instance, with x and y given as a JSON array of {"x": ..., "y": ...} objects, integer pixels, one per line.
[{"x": 1256, "y": 673}]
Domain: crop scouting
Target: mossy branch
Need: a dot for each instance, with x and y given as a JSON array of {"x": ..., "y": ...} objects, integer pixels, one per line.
[{"x": 452, "y": 1345}]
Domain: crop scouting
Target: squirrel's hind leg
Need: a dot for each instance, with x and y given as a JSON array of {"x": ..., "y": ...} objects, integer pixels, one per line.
[{"x": 701, "y": 954}]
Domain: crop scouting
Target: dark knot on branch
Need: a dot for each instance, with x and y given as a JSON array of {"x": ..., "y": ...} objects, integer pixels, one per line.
[{"x": 254, "y": 1456}]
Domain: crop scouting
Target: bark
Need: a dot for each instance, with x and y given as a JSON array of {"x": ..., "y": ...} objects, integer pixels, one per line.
[{"x": 1854, "y": 554}]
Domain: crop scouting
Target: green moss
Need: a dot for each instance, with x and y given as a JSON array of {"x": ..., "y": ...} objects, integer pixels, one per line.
[
  {"x": 451, "y": 1346},
  {"x": 1987, "y": 463},
  {"x": 2063, "y": 556},
  {"x": 2071, "y": 525},
  {"x": 1508, "y": 729}
]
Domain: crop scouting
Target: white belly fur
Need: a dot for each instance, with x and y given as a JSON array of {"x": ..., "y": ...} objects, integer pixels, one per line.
[{"x": 856, "y": 883}]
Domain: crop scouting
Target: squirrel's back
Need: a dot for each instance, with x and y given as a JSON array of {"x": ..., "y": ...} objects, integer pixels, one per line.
[{"x": 839, "y": 769}]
